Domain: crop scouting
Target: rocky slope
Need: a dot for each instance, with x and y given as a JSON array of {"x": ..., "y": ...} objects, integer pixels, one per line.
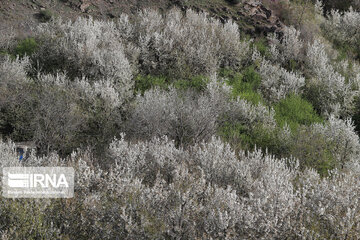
[{"x": 252, "y": 17}]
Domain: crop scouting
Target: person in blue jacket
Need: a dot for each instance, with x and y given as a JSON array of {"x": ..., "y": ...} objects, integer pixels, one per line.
[{"x": 21, "y": 151}]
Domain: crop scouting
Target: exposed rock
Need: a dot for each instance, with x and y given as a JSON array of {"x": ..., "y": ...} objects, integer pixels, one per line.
[
  {"x": 84, "y": 6},
  {"x": 263, "y": 19},
  {"x": 252, "y": 18}
]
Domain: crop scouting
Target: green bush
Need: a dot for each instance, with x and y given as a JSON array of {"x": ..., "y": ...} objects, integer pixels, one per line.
[
  {"x": 197, "y": 83},
  {"x": 26, "y": 47},
  {"x": 338, "y": 4},
  {"x": 233, "y": 133},
  {"x": 251, "y": 77},
  {"x": 356, "y": 116},
  {"x": 242, "y": 137},
  {"x": 17, "y": 111},
  {"x": 313, "y": 151},
  {"x": 234, "y": 1},
  {"x": 143, "y": 83},
  {"x": 251, "y": 96},
  {"x": 45, "y": 15},
  {"x": 268, "y": 139},
  {"x": 24, "y": 219},
  {"x": 244, "y": 84},
  {"x": 3, "y": 52},
  {"x": 295, "y": 111},
  {"x": 293, "y": 65},
  {"x": 262, "y": 46}
]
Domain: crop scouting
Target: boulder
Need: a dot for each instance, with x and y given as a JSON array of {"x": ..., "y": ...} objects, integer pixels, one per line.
[{"x": 261, "y": 18}]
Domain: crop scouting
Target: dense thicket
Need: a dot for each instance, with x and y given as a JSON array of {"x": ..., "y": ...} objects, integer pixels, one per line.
[
  {"x": 180, "y": 128},
  {"x": 155, "y": 190}
]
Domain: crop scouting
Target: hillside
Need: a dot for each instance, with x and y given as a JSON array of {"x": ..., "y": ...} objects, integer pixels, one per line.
[
  {"x": 180, "y": 119},
  {"x": 24, "y": 14}
]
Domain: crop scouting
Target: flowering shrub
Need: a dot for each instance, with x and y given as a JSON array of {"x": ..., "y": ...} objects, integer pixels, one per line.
[
  {"x": 329, "y": 90},
  {"x": 7, "y": 37},
  {"x": 75, "y": 107},
  {"x": 14, "y": 107},
  {"x": 277, "y": 82},
  {"x": 8, "y": 156},
  {"x": 168, "y": 44},
  {"x": 343, "y": 28},
  {"x": 170, "y": 175},
  {"x": 13, "y": 72},
  {"x": 157, "y": 44},
  {"x": 241, "y": 111},
  {"x": 53, "y": 110},
  {"x": 340, "y": 134},
  {"x": 325, "y": 146},
  {"x": 88, "y": 48},
  {"x": 331, "y": 204},
  {"x": 13, "y": 75},
  {"x": 153, "y": 189},
  {"x": 187, "y": 118},
  {"x": 182, "y": 116},
  {"x": 290, "y": 47}
]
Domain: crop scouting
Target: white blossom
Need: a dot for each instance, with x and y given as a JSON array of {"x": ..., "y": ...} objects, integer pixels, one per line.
[
  {"x": 277, "y": 82},
  {"x": 341, "y": 134},
  {"x": 289, "y": 48},
  {"x": 331, "y": 87}
]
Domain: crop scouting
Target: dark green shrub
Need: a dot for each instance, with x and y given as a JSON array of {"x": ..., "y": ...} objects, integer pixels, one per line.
[
  {"x": 247, "y": 80},
  {"x": 26, "y": 47},
  {"x": 234, "y": 133},
  {"x": 242, "y": 137},
  {"x": 3, "y": 52},
  {"x": 262, "y": 46},
  {"x": 293, "y": 65},
  {"x": 251, "y": 77},
  {"x": 17, "y": 111},
  {"x": 268, "y": 139},
  {"x": 234, "y": 1},
  {"x": 338, "y": 4},
  {"x": 143, "y": 83},
  {"x": 101, "y": 126},
  {"x": 24, "y": 219},
  {"x": 45, "y": 15},
  {"x": 197, "y": 83},
  {"x": 356, "y": 116},
  {"x": 244, "y": 84},
  {"x": 251, "y": 96},
  {"x": 295, "y": 111},
  {"x": 313, "y": 151}
]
